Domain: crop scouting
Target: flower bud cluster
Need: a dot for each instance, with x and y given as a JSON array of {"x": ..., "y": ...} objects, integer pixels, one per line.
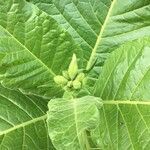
[{"x": 71, "y": 79}]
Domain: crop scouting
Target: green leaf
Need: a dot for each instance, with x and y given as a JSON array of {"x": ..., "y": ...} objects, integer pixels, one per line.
[
  {"x": 99, "y": 26},
  {"x": 124, "y": 86},
  {"x": 33, "y": 48},
  {"x": 22, "y": 121},
  {"x": 37, "y": 41},
  {"x": 124, "y": 125},
  {"x": 126, "y": 74},
  {"x": 69, "y": 119}
]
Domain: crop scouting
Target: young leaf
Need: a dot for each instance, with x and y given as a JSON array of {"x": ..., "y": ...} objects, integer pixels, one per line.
[{"x": 68, "y": 120}]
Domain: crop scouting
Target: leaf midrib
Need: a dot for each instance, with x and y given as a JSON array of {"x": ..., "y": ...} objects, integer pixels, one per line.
[
  {"x": 100, "y": 35},
  {"x": 93, "y": 53},
  {"x": 108, "y": 102},
  {"x": 127, "y": 102},
  {"x": 76, "y": 120},
  {"x": 24, "y": 124},
  {"x": 51, "y": 72}
]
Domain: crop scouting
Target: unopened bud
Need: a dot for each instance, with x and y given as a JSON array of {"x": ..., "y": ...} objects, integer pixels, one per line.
[
  {"x": 73, "y": 67},
  {"x": 76, "y": 84},
  {"x": 66, "y": 74},
  {"x": 69, "y": 84},
  {"x": 80, "y": 76},
  {"x": 60, "y": 80}
]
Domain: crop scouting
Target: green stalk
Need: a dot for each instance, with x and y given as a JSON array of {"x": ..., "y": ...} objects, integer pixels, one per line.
[{"x": 84, "y": 142}]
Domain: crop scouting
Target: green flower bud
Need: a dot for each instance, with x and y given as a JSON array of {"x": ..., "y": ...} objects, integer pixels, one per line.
[
  {"x": 60, "y": 80},
  {"x": 65, "y": 74},
  {"x": 76, "y": 84},
  {"x": 73, "y": 67},
  {"x": 80, "y": 76},
  {"x": 69, "y": 84}
]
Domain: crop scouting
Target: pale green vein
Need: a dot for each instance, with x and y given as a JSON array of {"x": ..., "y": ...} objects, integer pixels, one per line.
[
  {"x": 73, "y": 28},
  {"x": 18, "y": 106},
  {"x": 138, "y": 84},
  {"x": 107, "y": 127},
  {"x": 37, "y": 148},
  {"x": 106, "y": 81},
  {"x": 127, "y": 102},
  {"x": 127, "y": 71},
  {"x": 89, "y": 1},
  {"x": 24, "y": 124},
  {"x": 143, "y": 7},
  {"x": 23, "y": 138},
  {"x": 45, "y": 125},
  {"x": 38, "y": 107},
  {"x": 126, "y": 126},
  {"x": 100, "y": 35},
  {"x": 2, "y": 140},
  {"x": 76, "y": 120},
  {"x": 143, "y": 119},
  {"x": 1, "y": 118},
  {"x": 34, "y": 56},
  {"x": 84, "y": 19}
]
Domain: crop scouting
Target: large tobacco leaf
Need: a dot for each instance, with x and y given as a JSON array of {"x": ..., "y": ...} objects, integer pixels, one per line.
[
  {"x": 124, "y": 86},
  {"x": 23, "y": 121},
  {"x": 99, "y": 26},
  {"x": 33, "y": 48}
]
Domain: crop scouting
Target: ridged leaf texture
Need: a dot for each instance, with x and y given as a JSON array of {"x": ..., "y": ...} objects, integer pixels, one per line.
[
  {"x": 69, "y": 120},
  {"x": 33, "y": 48},
  {"x": 99, "y": 26},
  {"x": 37, "y": 41},
  {"x": 124, "y": 86},
  {"x": 23, "y": 121},
  {"x": 123, "y": 121}
]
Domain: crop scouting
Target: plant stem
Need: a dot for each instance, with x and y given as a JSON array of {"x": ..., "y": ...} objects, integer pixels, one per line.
[{"x": 84, "y": 142}]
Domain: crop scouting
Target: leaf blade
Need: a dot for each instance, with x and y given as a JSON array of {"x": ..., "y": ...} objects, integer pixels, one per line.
[
  {"x": 38, "y": 34},
  {"x": 119, "y": 79},
  {"x": 115, "y": 22},
  {"x": 21, "y": 116},
  {"x": 124, "y": 87},
  {"x": 67, "y": 123}
]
